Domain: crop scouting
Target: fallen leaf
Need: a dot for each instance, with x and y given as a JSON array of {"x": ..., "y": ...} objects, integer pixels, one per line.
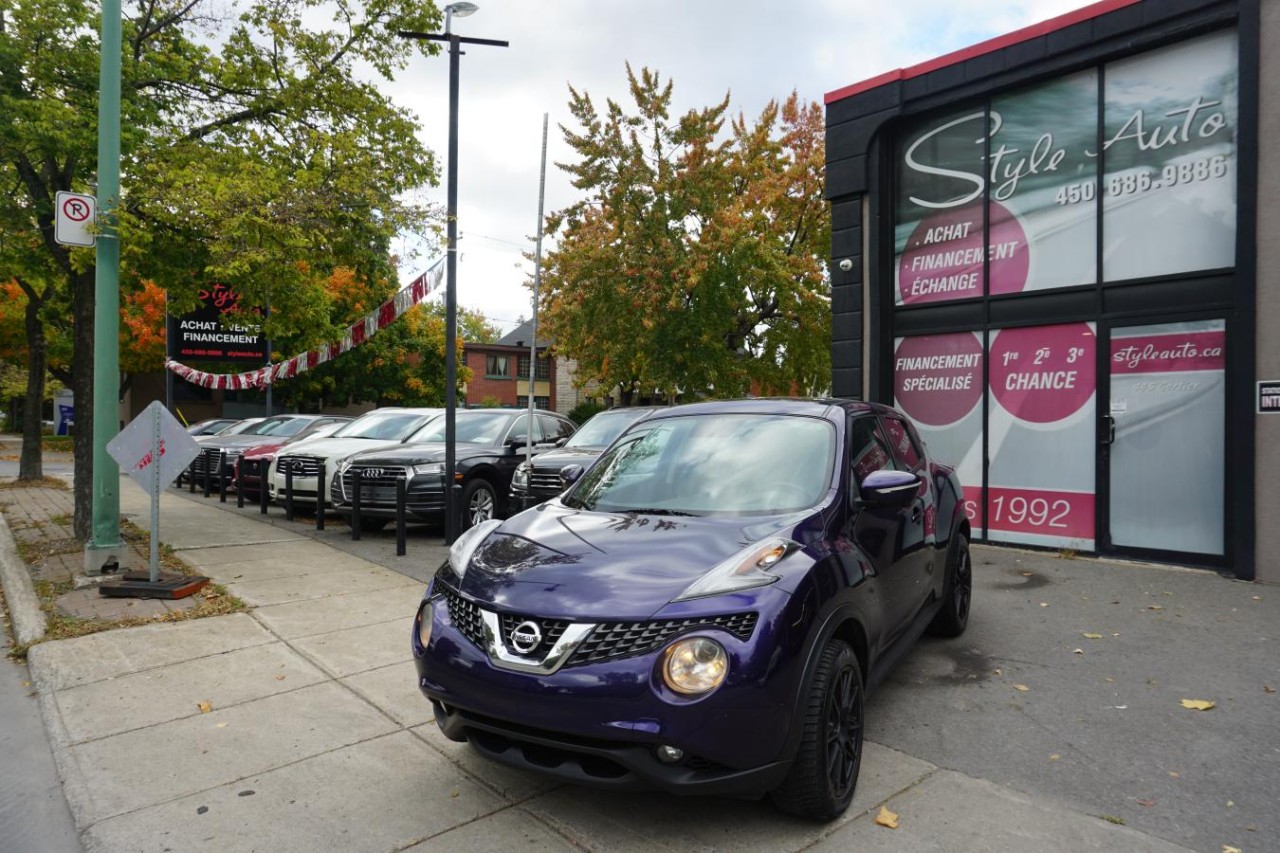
[
  {"x": 26, "y": 684},
  {"x": 1028, "y": 574},
  {"x": 1174, "y": 775},
  {"x": 1078, "y": 652},
  {"x": 281, "y": 677},
  {"x": 1089, "y": 635},
  {"x": 1055, "y": 757},
  {"x": 1257, "y": 598},
  {"x": 454, "y": 793},
  {"x": 1147, "y": 803},
  {"x": 220, "y": 726},
  {"x": 1227, "y": 848},
  {"x": 887, "y": 818},
  {"x": 1022, "y": 688},
  {"x": 205, "y": 707},
  {"x": 1155, "y": 607},
  {"x": 1198, "y": 704},
  {"x": 1044, "y": 604},
  {"x": 1267, "y": 688},
  {"x": 999, "y": 671}
]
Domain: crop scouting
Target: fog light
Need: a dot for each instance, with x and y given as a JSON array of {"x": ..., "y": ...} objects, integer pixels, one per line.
[
  {"x": 670, "y": 754},
  {"x": 425, "y": 620}
]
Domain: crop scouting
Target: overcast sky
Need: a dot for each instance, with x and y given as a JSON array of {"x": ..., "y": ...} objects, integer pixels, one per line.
[{"x": 753, "y": 50}]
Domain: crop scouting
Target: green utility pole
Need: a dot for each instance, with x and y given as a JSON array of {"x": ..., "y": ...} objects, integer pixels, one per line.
[{"x": 106, "y": 550}]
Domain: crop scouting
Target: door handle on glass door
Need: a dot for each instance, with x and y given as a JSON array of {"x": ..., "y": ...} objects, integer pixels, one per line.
[{"x": 1107, "y": 430}]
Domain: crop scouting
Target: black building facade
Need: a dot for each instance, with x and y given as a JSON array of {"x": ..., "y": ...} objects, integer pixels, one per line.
[{"x": 1046, "y": 250}]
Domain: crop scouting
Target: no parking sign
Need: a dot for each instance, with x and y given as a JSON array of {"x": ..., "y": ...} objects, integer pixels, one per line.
[{"x": 73, "y": 222}]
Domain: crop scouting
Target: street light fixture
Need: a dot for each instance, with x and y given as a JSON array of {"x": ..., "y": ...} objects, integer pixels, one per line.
[{"x": 461, "y": 10}]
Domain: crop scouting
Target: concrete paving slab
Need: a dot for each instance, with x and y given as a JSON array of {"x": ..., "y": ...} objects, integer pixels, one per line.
[
  {"x": 186, "y": 524},
  {"x": 515, "y": 785},
  {"x": 354, "y": 650},
  {"x": 61, "y": 664},
  {"x": 953, "y": 813},
  {"x": 290, "y": 554},
  {"x": 298, "y": 619},
  {"x": 508, "y": 830},
  {"x": 151, "y": 766},
  {"x": 368, "y": 578},
  {"x": 382, "y": 794},
  {"x": 394, "y": 690},
  {"x": 618, "y": 821},
  {"x": 172, "y": 692}
]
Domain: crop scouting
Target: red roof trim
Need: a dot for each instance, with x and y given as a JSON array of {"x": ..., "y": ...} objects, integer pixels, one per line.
[{"x": 1085, "y": 13}]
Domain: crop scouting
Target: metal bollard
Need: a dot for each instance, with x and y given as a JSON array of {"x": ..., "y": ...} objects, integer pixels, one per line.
[
  {"x": 355, "y": 504},
  {"x": 402, "y": 495},
  {"x": 191, "y": 478},
  {"x": 222, "y": 476},
  {"x": 240, "y": 484},
  {"x": 321, "y": 488},
  {"x": 262, "y": 490},
  {"x": 288, "y": 493},
  {"x": 204, "y": 456}
]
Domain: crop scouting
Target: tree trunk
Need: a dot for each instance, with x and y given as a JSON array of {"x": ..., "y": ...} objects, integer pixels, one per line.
[
  {"x": 82, "y": 302},
  {"x": 29, "y": 463}
]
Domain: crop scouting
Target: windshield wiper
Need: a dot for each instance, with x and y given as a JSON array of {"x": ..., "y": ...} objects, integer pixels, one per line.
[{"x": 656, "y": 511}]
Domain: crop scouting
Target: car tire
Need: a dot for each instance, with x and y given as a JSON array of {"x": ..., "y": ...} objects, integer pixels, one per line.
[
  {"x": 824, "y": 772},
  {"x": 479, "y": 503},
  {"x": 957, "y": 593}
]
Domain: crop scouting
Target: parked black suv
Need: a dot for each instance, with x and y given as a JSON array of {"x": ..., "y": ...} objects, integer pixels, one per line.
[
  {"x": 489, "y": 444},
  {"x": 538, "y": 479}
]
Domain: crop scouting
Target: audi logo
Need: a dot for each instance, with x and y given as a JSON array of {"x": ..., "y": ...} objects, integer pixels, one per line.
[{"x": 370, "y": 472}]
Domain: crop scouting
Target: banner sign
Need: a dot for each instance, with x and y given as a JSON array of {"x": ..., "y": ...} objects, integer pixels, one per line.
[
  {"x": 937, "y": 382},
  {"x": 1042, "y": 435},
  {"x": 1268, "y": 397},
  {"x": 203, "y": 336},
  {"x": 1010, "y": 191},
  {"x": 384, "y": 315}
]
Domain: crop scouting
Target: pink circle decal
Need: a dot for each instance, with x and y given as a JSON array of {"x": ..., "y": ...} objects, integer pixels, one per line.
[
  {"x": 938, "y": 378},
  {"x": 1043, "y": 374},
  {"x": 944, "y": 255}
]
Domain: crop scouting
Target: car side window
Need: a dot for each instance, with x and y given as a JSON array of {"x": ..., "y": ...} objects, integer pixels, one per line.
[
  {"x": 868, "y": 449},
  {"x": 520, "y": 431},
  {"x": 904, "y": 446},
  {"x": 554, "y": 429}
]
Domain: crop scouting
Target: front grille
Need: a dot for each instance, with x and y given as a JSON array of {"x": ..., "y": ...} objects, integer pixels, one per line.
[
  {"x": 250, "y": 467},
  {"x": 551, "y": 629},
  {"x": 545, "y": 481},
  {"x": 625, "y": 639},
  {"x": 465, "y": 616},
  {"x": 302, "y": 466},
  {"x": 377, "y": 484}
]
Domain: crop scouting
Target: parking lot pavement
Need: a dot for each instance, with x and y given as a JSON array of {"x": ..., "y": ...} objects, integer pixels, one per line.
[{"x": 298, "y": 725}]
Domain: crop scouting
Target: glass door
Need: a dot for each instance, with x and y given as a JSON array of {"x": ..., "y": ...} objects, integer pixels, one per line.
[{"x": 1164, "y": 436}]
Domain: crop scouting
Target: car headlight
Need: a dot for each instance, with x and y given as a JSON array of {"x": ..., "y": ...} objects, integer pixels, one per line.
[
  {"x": 748, "y": 568},
  {"x": 426, "y": 618},
  {"x": 428, "y": 468},
  {"x": 695, "y": 665},
  {"x": 520, "y": 479},
  {"x": 465, "y": 545}
]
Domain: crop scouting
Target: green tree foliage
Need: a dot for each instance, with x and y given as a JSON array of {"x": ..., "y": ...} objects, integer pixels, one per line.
[
  {"x": 253, "y": 154},
  {"x": 694, "y": 262}
]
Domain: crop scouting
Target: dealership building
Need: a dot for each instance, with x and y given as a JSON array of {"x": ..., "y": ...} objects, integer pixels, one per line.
[{"x": 1058, "y": 251}]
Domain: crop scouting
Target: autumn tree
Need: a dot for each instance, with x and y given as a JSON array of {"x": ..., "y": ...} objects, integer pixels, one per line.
[
  {"x": 250, "y": 143},
  {"x": 694, "y": 261}
]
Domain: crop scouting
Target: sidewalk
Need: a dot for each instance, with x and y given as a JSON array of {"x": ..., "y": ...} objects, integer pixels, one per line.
[{"x": 298, "y": 726}]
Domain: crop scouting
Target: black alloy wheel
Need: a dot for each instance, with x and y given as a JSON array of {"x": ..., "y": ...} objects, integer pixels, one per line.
[
  {"x": 824, "y": 773},
  {"x": 957, "y": 594}
]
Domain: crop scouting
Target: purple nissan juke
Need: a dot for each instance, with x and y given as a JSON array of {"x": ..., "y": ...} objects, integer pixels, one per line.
[{"x": 703, "y": 610}]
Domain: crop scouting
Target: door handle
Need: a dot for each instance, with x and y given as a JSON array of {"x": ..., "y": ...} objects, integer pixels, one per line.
[{"x": 1107, "y": 430}]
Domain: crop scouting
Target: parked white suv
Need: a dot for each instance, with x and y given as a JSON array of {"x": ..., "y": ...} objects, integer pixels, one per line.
[{"x": 374, "y": 430}]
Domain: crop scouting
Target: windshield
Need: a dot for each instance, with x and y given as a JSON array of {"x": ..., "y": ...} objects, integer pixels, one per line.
[
  {"x": 473, "y": 427},
  {"x": 386, "y": 426},
  {"x": 713, "y": 465},
  {"x": 602, "y": 429},
  {"x": 277, "y": 426},
  {"x": 293, "y": 426},
  {"x": 241, "y": 427}
]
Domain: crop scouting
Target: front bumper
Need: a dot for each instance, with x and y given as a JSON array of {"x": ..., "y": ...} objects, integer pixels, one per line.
[{"x": 600, "y": 723}]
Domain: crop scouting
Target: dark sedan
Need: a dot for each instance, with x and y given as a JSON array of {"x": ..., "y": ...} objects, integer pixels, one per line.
[
  {"x": 489, "y": 444},
  {"x": 538, "y": 479},
  {"x": 704, "y": 610}
]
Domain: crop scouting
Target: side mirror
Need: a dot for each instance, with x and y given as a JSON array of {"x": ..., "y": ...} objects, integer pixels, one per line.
[
  {"x": 569, "y": 475},
  {"x": 888, "y": 489},
  {"x": 562, "y": 441}
]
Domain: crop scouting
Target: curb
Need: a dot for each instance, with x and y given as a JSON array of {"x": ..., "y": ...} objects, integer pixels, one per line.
[{"x": 19, "y": 590}]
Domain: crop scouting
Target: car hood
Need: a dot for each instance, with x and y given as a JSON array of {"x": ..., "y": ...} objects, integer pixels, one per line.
[
  {"x": 233, "y": 442},
  {"x": 557, "y": 459},
  {"x": 266, "y": 449},
  {"x": 336, "y": 448},
  {"x": 557, "y": 562},
  {"x": 418, "y": 454}
]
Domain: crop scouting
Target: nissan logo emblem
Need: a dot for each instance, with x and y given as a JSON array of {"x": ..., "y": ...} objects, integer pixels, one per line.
[{"x": 526, "y": 636}]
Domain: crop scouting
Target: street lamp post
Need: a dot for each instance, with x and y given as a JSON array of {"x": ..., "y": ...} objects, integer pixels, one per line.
[{"x": 455, "y": 41}]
